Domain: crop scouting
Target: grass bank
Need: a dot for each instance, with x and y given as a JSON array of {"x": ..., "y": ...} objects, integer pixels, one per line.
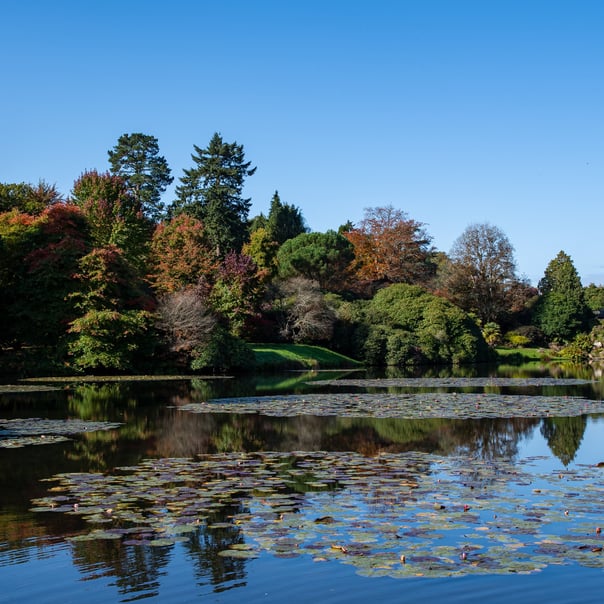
[{"x": 300, "y": 356}]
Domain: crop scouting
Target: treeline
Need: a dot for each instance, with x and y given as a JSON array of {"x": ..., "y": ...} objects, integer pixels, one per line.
[{"x": 108, "y": 279}]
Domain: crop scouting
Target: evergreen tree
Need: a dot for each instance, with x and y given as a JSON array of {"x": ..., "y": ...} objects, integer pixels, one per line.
[
  {"x": 285, "y": 221},
  {"x": 562, "y": 311},
  {"x": 136, "y": 160},
  {"x": 211, "y": 192}
]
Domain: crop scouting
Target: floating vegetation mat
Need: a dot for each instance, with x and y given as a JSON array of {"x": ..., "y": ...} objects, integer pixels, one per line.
[
  {"x": 407, "y": 406},
  {"x": 16, "y": 433},
  {"x": 18, "y": 388},
  {"x": 403, "y": 515},
  {"x": 451, "y": 382}
]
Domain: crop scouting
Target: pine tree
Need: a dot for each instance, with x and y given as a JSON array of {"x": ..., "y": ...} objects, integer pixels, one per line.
[
  {"x": 136, "y": 160},
  {"x": 211, "y": 192}
]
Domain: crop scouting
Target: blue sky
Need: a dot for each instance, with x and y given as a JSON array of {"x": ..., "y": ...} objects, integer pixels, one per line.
[{"x": 455, "y": 111}]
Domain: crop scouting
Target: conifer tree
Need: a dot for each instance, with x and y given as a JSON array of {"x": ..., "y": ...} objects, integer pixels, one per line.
[{"x": 211, "y": 191}]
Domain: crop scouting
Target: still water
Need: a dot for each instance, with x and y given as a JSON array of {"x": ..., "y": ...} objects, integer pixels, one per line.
[{"x": 399, "y": 509}]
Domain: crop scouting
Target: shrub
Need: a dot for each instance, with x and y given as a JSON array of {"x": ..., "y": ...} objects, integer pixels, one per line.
[{"x": 224, "y": 351}]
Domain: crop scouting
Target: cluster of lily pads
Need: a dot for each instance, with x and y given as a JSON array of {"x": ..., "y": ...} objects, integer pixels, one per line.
[
  {"x": 398, "y": 515},
  {"x": 15, "y": 433},
  {"x": 451, "y": 382},
  {"x": 408, "y": 406}
]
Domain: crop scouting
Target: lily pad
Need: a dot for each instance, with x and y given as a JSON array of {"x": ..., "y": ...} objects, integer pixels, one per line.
[
  {"x": 408, "y": 406},
  {"x": 489, "y": 519}
]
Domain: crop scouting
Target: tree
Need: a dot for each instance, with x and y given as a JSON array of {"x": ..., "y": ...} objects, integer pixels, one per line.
[
  {"x": 408, "y": 325},
  {"x": 390, "y": 247},
  {"x": 181, "y": 255},
  {"x": 307, "y": 316},
  {"x": 322, "y": 257},
  {"x": 562, "y": 312},
  {"x": 263, "y": 251},
  {"x": 285, "y": 221},
  {"x": 114, "y": 328},
  {"x": 114, "y": 214},
  {"x": 185, "y": 322},
  {"x": 482, "y": 272},
  {"x": 39, "y": 257},
  {"x": 594, "y": 297},
  {"x": 237, "y": 292},
  {"x": 27, "y": 198},
  {"x": 146, "y": 174},
  {"x": 211, "y": 192}
]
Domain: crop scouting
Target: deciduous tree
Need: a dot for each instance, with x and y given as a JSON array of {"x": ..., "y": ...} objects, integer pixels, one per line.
[
  {"x": 113, "y": 213},
  {"x": 482, "y": 272},
  {"x": 390, "y": 247},
  {"x": 181, "y": 255}
]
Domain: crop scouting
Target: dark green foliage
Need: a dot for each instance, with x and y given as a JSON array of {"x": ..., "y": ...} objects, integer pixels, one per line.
[
  {"x": 562, "y": 312},
  {"x": 113, "y": 330},
  {"x": 146, "y": 174},
  {"x": 564, "y": 436},
  {"x": 223, "y": 352},
  {"x": 111, "y": 340},
  {"x": 41, "y": 256},
  {"x": 374, "y": 346},
  {"x": 211, "y": 192},
  {"x": 285, "y": 221},
  {"x": 322, "y": 257},
  {"x": 594, "y": 297},
  {"x": 408, "y": 325},
  {"x": 26, "y": 198}
]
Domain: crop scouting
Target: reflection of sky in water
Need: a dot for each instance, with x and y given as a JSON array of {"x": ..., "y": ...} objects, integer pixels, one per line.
[{"x": 590, "y": 452}]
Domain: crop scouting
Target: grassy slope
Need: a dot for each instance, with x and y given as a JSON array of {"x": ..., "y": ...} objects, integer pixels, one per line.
[{"x": 299, "y": 356}]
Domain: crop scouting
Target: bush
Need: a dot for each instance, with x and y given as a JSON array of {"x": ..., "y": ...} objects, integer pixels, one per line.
[
  {"x": 402, "y": 349},
  {"x": 110, "y": 340},
  {"x": 434, "y": 329},
  {"x": 516, "y": 340},
  {"x": 223, "y": 352},
  {"x": 534, "y": 336}
]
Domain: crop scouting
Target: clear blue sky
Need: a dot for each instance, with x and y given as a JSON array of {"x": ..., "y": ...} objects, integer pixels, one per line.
[{"x": 455, "y": 111}]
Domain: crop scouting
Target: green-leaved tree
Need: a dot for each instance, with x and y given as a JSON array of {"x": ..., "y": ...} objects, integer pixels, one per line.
[{"x": 562, "y": 311}]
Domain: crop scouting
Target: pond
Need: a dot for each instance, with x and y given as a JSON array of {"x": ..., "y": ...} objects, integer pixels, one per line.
[{"x": 322, "y": 486}]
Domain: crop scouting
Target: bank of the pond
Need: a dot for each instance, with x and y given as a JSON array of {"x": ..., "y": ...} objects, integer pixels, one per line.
[{"x": 299, "y": 356}]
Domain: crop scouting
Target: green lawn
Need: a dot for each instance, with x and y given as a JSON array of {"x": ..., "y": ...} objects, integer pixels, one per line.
[{"x": 299, "y": 356}]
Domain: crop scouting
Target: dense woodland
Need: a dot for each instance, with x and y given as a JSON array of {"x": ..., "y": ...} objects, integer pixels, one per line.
[{"x": 108, "y": 279}]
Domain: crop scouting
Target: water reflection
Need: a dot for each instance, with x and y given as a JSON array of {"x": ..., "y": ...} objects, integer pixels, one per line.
[{"x": 153, "y": 427}]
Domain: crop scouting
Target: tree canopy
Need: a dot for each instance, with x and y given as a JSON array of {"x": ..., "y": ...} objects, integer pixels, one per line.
[
  {"x": 482, "y": 272},
  {"x": 211, "y": 191},
  {"x": 146, "y": 174},
  {"x": 391, "y": 247},
  {"x": 322, "y": 257},
  {"x": 562, "y": 311}
]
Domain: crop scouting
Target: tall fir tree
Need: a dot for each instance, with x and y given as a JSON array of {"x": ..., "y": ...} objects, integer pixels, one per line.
[
  {"x": 211, "y": 191},
  {"x": 562, "y": 311}
]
